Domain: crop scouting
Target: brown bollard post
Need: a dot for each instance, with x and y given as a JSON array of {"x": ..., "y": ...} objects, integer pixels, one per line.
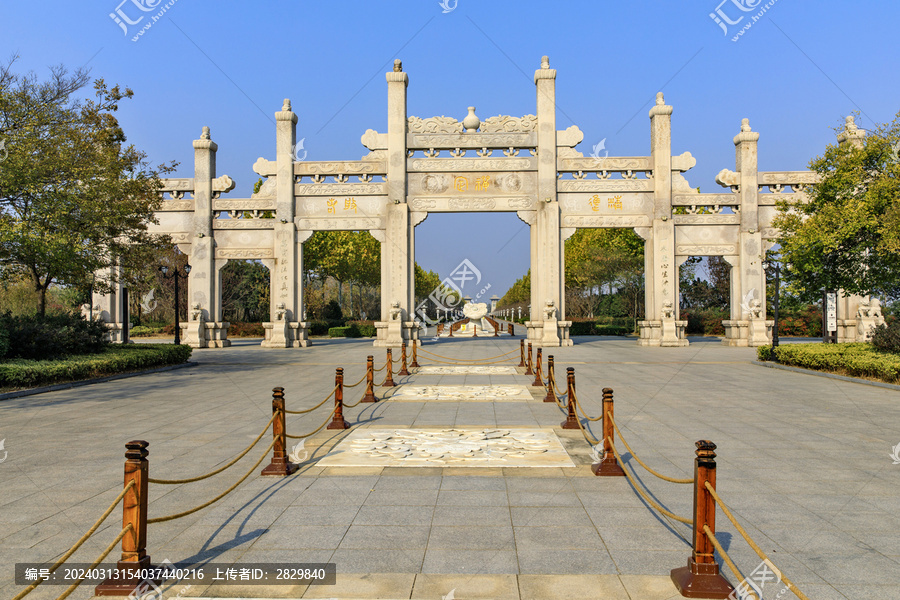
[
  {"x": 538, "y": 372},
  {"x": 338, "y": 421},
  {"x": 521, "y": 353},
  {"x": 608, "y": 466},
  {"x": 389, "y": 378},
  {"x": 403, "y": 370},
  {"x": 451, "y": 330},
  {"x": 509, "y": 328},
  {"x": 571, "y": 421},
  {"x": 134, "y": 512},
  {"x": 370, "y": 380},
  {"x": 528, "y": 365},
  {"x": 701, "y": 577},
  {"x": 496, "y": 328},
  {"x": 551, "y": 381},
  {"x": 415, "y": 357},
  {"x": 280, "y": 466},
  {"x": 474, "y": 328}
]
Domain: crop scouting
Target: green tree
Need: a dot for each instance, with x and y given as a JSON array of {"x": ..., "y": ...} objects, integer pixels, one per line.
[
  {"x": 74, "y": 198},
  {"x": 519, "y": 292},
  {"x": 426, "y": 282},
  {"x": 847, "y": 236}
]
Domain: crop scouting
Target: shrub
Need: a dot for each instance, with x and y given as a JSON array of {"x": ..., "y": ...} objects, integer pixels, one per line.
[
  {"x": 143, "y": 330},
  {"x": 857, "y": 359},
  {"x": 887, "y": 337},
  {"x": 246, "y": 330},
  {"x": 366, "y": 328},
  {"x": 349, "y": 331},
  {"x": 764, "y": 353},
  {"x": 22, "y": 373},
  {"x": 52, "y": 336},
  {"x": 602, "y": 326},
  {"x": 318, "y": 327},
  {"x": 333, "y": 312}
]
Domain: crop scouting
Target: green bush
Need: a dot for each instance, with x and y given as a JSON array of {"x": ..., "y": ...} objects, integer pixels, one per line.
[
  {"x": 857, "y": 360},
  {"x": 52, "y": 336},
  {"x": 318, "y": 327},
  {"x": 4, "y": 340},
  {"x": 237, "y": 330},
  {"x": 366, "y": 328},
  {"x": 143, "y": 330},
  {"x": 22, "y": 373},
  {"x": 764, "y": 353},
  {"x": 704, "y": 322},
  {"x": 349, "y": 331},
  {"x": 601, "y": 326},
  {"x": 332, "y": 311},
  {"x": 887, "y": 337}
]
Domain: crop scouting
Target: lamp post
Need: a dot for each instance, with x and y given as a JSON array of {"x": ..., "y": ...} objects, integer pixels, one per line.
[
  {"x": 777, "y": 268},
  {"x": 176, "y": 274}
]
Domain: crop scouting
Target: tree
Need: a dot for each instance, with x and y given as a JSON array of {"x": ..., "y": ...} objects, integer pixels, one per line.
[
  {"x": 847, "y": 236},
  {"x": 74, "y": 199},
  {"x": 519, "y": 292},
  {"x": 426, "y": 282}
]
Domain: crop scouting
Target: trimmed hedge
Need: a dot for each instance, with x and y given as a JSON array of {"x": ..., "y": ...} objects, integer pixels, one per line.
[
  {"x": 237, "y": 330},
  {"x": 22, "y": 373},
  {"x": 856, "y": 360},
  {"x": 366, "y": 328},
  {"x": 607, "y": 326},
  {"x": 39, "y": 337},
  {"x": 348, "y": 331}
]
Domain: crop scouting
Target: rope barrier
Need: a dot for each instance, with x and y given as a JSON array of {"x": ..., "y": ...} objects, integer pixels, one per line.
[
  {"x": 306, "y": 435},
  {"x": 737, "y": 574},
  {"x": 587, "y": 435},
  {"x": 358, "y": 382},
  {"x": 640, "y": 462},
  {"x": 100, "y": 558},
  {"x": 80, "y": 542},
  {"x": 643, "y": 494},
  {"x": 469, "y": 360},
  {"x": 217, "y": 471},
  {"x": 383, "y": 367},
  {"x": 217, "y": 498},
  {"x": 309, "y": 410},
  {"x": 584, "y": 414},
  {"x": 749, "y": 540}
]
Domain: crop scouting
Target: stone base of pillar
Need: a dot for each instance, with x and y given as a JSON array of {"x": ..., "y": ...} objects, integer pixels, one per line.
[
  {"x": 390, "y": 334},
  {"x": 533, "y": 331},
  {"x": 549, "y": 334},
  {"x": 751, "y": 333},
  {"x": 206, "y": 334},
  {"x": 564, "y": 339},
  {"x": 666, "y": 333},
  {"x": 286, "y": 334},
  {"x": 848, "y": 330},
  {"x": 114, "y": 333}
]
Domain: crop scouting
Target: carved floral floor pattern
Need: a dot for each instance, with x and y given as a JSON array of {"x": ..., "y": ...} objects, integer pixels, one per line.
[
  {"x": 457, "y": 447},
  {"x": 461, "y": 393},
  {"x": 466, "y": 370}
]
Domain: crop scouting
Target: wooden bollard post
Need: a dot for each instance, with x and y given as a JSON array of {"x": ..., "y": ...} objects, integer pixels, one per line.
[
  {"x": 496, "y": 328},
  {"x": 474, "y": 327},
  {"x": 528, "y": 365},
  {"x": 451, "y": 330},
  {"x": 538, "y": 371},
  {"x": 509, "y": 328},
  {"x": 389, "y": 378},
  {"x": 701, "y": 577},
  {"x": 415, "y": 355},
  {"x": 609, "y": 465},
  {"x": 338, "y": 421},
  {"x": 280, "y": 466},
  {"x": 403, "y": 372},
  {"x": 571, "y": 421},
  {"x": 134, "y": 512},
  {"x": 370, "y": 380},
  {"x": 551, "y": 381},
  {"x": 521, "y": 353}
]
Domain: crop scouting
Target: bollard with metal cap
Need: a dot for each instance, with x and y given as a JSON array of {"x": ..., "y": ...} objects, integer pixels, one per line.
[
  {"x": 538, "y": 371},
  {"x": 551, "y": 381},
  {"x": 280, "y": 466},
  {"x": 571, "y": 421},
  {"x": 389, "y": 378},
  {"x": 134, "y": 512},
  {"x": 338, "y": 421},
  {"x": 701, "y": 577},
  {"x": 370, "y": 380},
  {"x": 609, "y": 465},
  {"x": 403, "y": 372}
]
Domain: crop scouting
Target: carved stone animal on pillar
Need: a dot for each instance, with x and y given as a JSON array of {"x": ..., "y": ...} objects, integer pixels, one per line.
[
  {"x": 280, "y": 335},
  {"x": 395, "y": 325},
  {"x": 195, "y": 328},
  {"x": 550, "y": 333}
]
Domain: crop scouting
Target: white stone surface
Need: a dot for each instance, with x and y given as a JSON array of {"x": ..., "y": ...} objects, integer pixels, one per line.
[
  {"x": 466, "y": 370},
  {"x": 475, "y": 311},
  {"x": 462, "y": 393},
  {"x": 458, "y": 447}
]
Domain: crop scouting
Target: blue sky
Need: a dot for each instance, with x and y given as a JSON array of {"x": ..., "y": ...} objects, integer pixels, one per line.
[{"x": 795, "y": 73}]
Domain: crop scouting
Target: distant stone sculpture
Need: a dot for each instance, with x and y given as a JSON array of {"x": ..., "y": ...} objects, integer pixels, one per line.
[
  {"x": 475, "y": 311},
  {"x": 668, "y": 311},
  {"x": 396, "y": 311},
  {"x": 868, "y": 317},
  {"x": 196, "y": 312},
  {"x": 549, "y": 310}
]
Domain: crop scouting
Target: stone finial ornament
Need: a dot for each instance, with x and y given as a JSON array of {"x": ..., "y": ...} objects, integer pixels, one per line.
[
  {"x": 398, "y": 66},
  {"x": 851, "y": 132},
  {"x": 850, "y": 123},
  {"x": 660, "y": 99},
  {"x": 205, "y": 134},
  {"x": 287, "y": 105},
  {"x": 745, "y": 125},
  {"x": 471, "y": 122},
  {"x": 545, "y": 62}
]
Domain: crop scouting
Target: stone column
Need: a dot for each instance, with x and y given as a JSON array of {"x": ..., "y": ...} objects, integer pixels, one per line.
[
  {"x": 547, "y": 285},
  {"x": 287, "y": 299},
  {"x": 204, "y": 328},
  {"x": 855, "y": 318},
  {"x": 661, "y": 327},
  {"x": 748, "y": 276},
  {"x": 107, "y": 307},
  {"x": 397, "y": 253}
]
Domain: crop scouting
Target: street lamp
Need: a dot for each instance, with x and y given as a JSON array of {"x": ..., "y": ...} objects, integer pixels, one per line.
[{"x": 176, "y": 274}]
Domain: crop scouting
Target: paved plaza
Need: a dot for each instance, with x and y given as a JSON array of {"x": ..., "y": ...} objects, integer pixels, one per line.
[{"x": 803, "y": 460}]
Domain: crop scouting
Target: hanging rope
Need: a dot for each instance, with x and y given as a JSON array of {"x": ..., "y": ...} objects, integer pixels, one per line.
[
  {"x": 100, "y": 558},
  {"x": 640, "y": 462},
  {"x": 352, "y": 385},
  {"x": 309, "y": 410},
  {"x": 468, "y": 360},
  {"x": 217, "y": 498},
  {"x": 219, "y": 470},
  {"x": 584, "y": 414},
  {"x": 318, "y": 429},
  {"x": 81, "y": 541},
  {"x": 726, "y": 558},
  {"x": 644, "y": 495}
]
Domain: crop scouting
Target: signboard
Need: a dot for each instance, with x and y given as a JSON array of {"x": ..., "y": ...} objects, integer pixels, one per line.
[{"x": 831, "y": 312}]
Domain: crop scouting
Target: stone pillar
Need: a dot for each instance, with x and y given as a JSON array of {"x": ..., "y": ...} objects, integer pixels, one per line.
[
  {"x": 547, "y": 284},
  {"x": 107, "y": 307},
  {"x": 286, "y": 307},
  {"x": 205, "y": 328},
  {"x": 397, "y": 253},
  {"x": 661, "y": 327},
  {"x": 855, "y": 318},
  {"x": 748, "y": 291}
]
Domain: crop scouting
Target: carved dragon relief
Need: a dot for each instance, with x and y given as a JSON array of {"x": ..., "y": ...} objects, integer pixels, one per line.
[
  {"x": 508, "y": 124},
  {"x": 434, "y": 125}
]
